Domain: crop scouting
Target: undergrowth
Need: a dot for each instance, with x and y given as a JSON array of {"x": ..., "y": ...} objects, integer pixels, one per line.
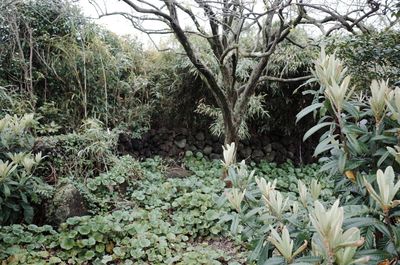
[{"x": 143, "y": 216}]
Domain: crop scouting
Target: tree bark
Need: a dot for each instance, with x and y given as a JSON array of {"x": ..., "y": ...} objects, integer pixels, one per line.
[{"x": 231, "y": 132}]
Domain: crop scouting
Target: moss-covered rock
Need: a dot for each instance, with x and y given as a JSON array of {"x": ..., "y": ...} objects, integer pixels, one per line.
[{"x": 67, "y": 202}]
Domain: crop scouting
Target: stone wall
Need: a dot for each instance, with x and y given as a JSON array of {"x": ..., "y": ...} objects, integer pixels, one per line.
[{"x": 174, "y": 143}]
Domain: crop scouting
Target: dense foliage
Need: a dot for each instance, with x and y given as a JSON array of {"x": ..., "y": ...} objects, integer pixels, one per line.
[
  {"x": 371, "y": 56},
  {"x": 308, "y": 226},
  {"x": 20, "y": 187},
  {"x": 67, "y": 66},
  {"x": 70, "y": 193},
  {"x": 155, "y": 217}
]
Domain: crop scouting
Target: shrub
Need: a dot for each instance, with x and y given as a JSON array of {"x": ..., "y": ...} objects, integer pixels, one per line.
[
  {"x": 81, "y": 155},
  {"x": 362, "y": 133},
  {"x": 280, "y": 225},
  {"x": 20, "y": 187},
  {"x": 370, "y": 56}
]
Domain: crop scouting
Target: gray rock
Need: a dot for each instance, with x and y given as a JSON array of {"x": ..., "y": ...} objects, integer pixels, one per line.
[
  {"x": 180, "y": 137},
  {"x": 173, "y": 151},
  {"x": 67, "y": 202},
  {"x": 277, "y": 146},
  {"x": 200, "y": 136},
  {"x": 257, "y": 153},
  {"x": 192, "y": 148},
  {"x": 199, "y": 145},
  {"x": 217, "y": 147},
  {"x": 255, "y": 141},
  {"x": 181, "y": 143},
  {"x": 207, "y": 150},
  {"x": 215, "y": 157},
  {"x": 215, "y": 138},
  {"x": 270, "y": 157},
  {"x": 183, "y": 131},
  {"x": 177, "y": 172},
  {"x": 246, "y": 152},
  {"x": 286, "y": 141},
  {"x": 268, "y": 148}
]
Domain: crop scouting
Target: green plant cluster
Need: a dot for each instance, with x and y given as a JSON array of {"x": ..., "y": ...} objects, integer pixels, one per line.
[
  {"x": 143, "y": 215},
  {"x": 109, "y": 190},
  {"x": 302, "y": 227},
  {"x": 370, "y": 56},
  {"x": 362, "y": 138},
  {"x": 191, "y": 203},
  {"x": 82, "y": 154},
  {"x": 20, "y": 188},
  {"x": 287, "y": 176},
  {"x": 360, "y": 130},
  {"x": 134, "y": 237},
  {"x": 69, "y": 69}
]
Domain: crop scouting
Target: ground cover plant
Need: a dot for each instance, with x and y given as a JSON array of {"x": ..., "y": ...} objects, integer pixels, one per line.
[{"x": 145, "y": 214}]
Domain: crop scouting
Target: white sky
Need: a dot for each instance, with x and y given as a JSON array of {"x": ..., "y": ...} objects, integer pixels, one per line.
[
  {"x": 117, "y": 24},
  {"x": 122, "y": 26}
]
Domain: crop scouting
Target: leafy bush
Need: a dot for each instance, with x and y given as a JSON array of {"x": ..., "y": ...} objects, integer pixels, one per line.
[
  {"x": 20, "y": 188},
  {"x": 362, "y": 133},
  {"x": 66, "y": 60},
  {"x": 82, "y": 155},
  {"x": 362, "y": 137},
  {"x": 279, "y": 225},
  {"x": 370, "y": 56}
]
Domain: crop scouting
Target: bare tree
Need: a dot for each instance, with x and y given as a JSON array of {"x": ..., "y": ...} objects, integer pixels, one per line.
[{"x": 223, "y": 24}]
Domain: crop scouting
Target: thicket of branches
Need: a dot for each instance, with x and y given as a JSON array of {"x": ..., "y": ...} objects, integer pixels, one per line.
[{"x": 239, "y": 34}]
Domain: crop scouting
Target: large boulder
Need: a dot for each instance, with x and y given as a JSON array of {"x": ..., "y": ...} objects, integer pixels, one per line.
[{"x": 67, "y": 202}]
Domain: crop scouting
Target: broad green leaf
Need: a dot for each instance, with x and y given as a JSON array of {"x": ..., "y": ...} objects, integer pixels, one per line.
[
  {"x": 342, "y": 161},
  {"x": 315, "y": 129},
  {"x": 351, "y": 109},
  {"x": 67, "y": 243},
  {"x": 324, "y": 146},
  {"x": 84, "y": 230},
  {"x": 275, "y": 261},
  {"x": 308, "y": 110}
]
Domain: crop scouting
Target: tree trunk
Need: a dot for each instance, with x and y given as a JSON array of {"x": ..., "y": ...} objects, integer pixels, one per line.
[
  {"x": 231, "y": 132},
  {"x": 231, "y": 135}
]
